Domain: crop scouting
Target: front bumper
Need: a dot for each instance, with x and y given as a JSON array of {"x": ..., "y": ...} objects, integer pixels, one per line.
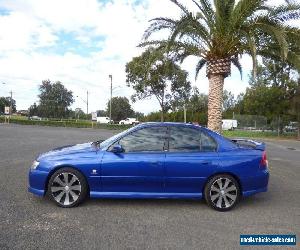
[{"x": 37, "y": 181}]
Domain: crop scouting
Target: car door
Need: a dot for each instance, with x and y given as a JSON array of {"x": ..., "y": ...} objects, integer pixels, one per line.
[
  {"x": 191, "y": 157},
  {"x": 140, "y": 168}
]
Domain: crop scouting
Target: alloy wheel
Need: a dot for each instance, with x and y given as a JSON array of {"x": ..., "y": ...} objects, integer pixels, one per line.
[
  {"x": 223, "y": 193},
  {"x": 66, "y": 188}
]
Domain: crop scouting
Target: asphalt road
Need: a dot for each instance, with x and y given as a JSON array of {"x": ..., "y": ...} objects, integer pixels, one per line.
[{"x": 29, "y": 222}]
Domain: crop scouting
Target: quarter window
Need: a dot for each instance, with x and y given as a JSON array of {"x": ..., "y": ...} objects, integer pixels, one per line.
[
  {"x": 183, "y": 139},
  {"x": 146, "y": 139},
  {"x": 207, "y": 143}
]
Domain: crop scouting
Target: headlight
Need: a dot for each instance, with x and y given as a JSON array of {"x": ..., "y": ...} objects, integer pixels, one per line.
[{"x": 34, "y": 165}]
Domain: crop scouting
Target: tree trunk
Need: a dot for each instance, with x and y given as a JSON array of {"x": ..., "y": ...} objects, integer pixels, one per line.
[
  {"x": 215, "y": 100},
  {"x": 162, "y": 114},
  {"x": 162, "y": 106}
]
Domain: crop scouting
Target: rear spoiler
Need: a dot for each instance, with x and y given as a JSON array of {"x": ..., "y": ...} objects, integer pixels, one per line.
[{"x": 248, "y": 143}]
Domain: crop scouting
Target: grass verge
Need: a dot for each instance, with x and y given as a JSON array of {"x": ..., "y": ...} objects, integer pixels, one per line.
[
  {"x": 258, "y": 134},
  {"x": 67, "y": 124}
]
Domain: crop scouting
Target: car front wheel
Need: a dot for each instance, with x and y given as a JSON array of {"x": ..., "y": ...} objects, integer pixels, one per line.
[
  {"x": 222, "y": 192},
  {"x": 67, "y": 187}
]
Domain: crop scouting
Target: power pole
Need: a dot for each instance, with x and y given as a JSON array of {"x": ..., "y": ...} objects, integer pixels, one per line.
[
  {"x": 87, "y": 102},
  {"x": 110, "y": 76},
  {"x": 184, "y": 113},
  {"x": 11, "y": 100}
]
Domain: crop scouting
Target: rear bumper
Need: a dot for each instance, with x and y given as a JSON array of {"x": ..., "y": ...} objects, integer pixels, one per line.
[
  {"x": 255, "y": 184},
  {"x": 37, "y": 182},
  {"x": 37, "y": 192}
]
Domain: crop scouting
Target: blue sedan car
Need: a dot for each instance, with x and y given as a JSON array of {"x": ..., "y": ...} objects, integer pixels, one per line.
[{"x": 154, "y": 160}]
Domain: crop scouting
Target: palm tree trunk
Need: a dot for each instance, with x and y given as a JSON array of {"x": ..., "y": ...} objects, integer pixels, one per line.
[{"x": 215, "y": 100}]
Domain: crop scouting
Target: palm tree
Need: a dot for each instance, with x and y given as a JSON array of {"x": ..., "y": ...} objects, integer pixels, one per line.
[{"x": 219, "y": 33}]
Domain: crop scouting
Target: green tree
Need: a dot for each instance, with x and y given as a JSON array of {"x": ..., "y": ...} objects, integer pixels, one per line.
[
  {"x": 228, "y": 100},
  {"x": 55, "y": 100},
  {"x": 198, "y": 101},
  {"x": 6, "y": 102},
  {"x": 120, "y": 108},
  {"x": 196, "y": 110},
  {"x": 197, "y": 107},
  {"x": 219, "y": 33},
  {"x": 155, "y": 74},
  {"x": 79, "y": 114},
  {"x": 139, "y": 115},
  {"x": 102, "y": 113},
  {"x": 272, "y": 92},
  {"x": 239, "y": 104},
  {"x": 33, "y": 110}
]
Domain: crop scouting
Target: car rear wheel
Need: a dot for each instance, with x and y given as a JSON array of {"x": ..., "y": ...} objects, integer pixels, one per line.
[
  {"x": 222, "y": 192},
  {"x": 67, "y": 187}
]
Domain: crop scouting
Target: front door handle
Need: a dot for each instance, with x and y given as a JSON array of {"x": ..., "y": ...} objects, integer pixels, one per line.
[{"x": 154, "y": 163}]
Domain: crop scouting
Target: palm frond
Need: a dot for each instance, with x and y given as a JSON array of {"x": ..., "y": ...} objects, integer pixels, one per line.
[
  {"x": 186, "y": 51},
  {"x": 157, "y": 25},
  {"x": 235, "y": 61},
  {"x": 151, "y": 43},
  {"x": 277, "y": 32},
  {"x": 199, "y": 66},
  {"x": 294, "y": 59},
  {"x": 206, "y": 10},
  {"x": 177, "y": 50},
  {"x": 272, "y": 51},
  {"x": 285, "y": 12},
  {"x": 293, "y": 36},
  {"x": 182, "y": 7},
  {"x": 243, "y": 10},
  {"x": 252, "y": 48},
  {"x": 189, "y": 25},
  {"x": 224, "y": 9}
]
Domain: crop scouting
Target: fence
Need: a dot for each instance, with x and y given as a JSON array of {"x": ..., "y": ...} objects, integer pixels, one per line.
[
  {"x": 281, "y": 125},
  {"x": 252, "y": 122}
]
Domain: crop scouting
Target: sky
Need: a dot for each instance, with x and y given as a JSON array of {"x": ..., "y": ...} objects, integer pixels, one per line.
[{"x": 80, "y": 43}]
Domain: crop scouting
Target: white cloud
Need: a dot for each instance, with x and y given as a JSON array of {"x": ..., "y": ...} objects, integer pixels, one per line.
[{"x": 20, "y": 32}]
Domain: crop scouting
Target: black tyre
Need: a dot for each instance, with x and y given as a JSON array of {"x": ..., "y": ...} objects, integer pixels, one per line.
[
  {"x": 222, "y": 192},
  {"x": 67, "y": 187}
]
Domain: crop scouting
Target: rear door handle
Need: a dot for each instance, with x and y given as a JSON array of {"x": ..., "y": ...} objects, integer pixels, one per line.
[
  {"x": 205, "y": 162},
  {"x": 154, "y": 163}
]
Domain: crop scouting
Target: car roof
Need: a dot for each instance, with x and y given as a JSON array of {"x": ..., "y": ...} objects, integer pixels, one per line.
[{"x": 146, "y": 124}]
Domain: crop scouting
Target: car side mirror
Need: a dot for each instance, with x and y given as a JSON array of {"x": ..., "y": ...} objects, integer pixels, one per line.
[{"x": 117, "y": 149}]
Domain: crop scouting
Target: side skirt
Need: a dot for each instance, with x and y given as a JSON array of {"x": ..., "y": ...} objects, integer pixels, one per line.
[{"x": 141, "y": 195}]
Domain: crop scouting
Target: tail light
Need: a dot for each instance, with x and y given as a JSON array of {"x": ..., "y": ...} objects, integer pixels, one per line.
[{"x": 264, "y": 161}]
